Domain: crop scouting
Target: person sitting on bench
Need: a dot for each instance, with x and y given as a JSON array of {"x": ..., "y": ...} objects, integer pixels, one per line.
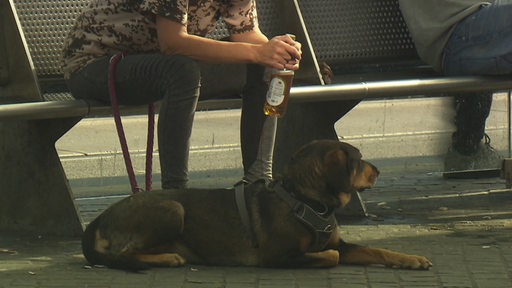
[
  {"x": 163, "y": 40},
  {"x": 465, "y": 37}
]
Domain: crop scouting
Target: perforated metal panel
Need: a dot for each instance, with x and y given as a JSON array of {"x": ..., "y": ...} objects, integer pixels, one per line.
[
  {"x": 361, "y": 30},
  {"x": 45, "y": 24},
  {"x": 270, "y": 17},
  {"x": 341, "y": 30}
]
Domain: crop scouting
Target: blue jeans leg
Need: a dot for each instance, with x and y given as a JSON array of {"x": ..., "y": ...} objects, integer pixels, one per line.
[{"x": 481, "y": 44}]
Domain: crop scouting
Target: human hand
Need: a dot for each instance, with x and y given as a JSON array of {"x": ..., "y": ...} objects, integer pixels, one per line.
[{"x": 281, "y": 52}]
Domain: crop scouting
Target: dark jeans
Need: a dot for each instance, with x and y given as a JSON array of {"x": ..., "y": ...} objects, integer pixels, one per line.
[
  {"x": 481, "y": 44},
  {"x": 145, "y": 78},
  {"x": 471, "y": 112}
]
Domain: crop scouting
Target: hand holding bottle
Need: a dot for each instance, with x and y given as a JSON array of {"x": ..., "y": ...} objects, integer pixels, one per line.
[{"x": 280, "y": 83}]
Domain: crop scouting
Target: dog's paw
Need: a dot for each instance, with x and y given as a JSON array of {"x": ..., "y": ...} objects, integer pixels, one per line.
[
  {"x": 332, "y": 257},
  {"x": 173, "y": 260},
  {"x": 412, "y": 262},
  {"x": 326, "y": 258}
]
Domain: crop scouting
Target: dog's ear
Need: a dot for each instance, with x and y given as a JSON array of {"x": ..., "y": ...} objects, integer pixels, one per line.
[
  {"x": 341, "y": 163},
  {"x": 338, "y": 169},
  {"x": 353, "y": 152}
]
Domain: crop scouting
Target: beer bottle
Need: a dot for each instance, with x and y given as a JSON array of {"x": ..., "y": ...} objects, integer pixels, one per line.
[{"x": 278, "y": 91}]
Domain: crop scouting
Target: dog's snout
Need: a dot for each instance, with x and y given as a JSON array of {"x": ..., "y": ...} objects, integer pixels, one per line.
[
  {"x": 377, "y": 172},
  {"x": 372, "y": 170}
]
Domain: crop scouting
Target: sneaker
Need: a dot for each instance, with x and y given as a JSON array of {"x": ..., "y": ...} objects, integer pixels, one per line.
[{"x": 485, "y": 158}]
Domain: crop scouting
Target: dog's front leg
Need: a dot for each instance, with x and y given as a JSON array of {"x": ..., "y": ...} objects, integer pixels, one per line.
[
  {"x": 322, "y": 259},
  {"x": 360, "y": 255}
]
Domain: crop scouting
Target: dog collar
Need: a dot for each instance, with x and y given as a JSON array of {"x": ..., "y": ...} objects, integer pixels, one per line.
[{"x": 321, "y": 224}]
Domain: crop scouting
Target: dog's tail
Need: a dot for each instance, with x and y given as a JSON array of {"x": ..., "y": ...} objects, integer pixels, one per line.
[{"x": 95, "y": 257}]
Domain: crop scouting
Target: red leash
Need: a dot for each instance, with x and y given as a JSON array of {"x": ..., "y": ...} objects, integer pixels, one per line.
[{"x": 120, "y": 131}]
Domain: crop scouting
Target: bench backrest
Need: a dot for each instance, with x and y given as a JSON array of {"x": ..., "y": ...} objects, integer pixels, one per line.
[
  {"x": 360, "y": 31},
  {"x": 359, "y": 35},
  {"x": 46, "y": 23},
  {"x": 17, "y": 76},
  {"x": 347, "y": 34}
]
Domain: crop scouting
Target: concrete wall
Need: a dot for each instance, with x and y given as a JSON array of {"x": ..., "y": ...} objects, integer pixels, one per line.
[{"x": 396, "y": 130}]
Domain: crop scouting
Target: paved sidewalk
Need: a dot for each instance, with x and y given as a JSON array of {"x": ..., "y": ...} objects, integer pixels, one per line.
[{"x": 463, "y": 226}]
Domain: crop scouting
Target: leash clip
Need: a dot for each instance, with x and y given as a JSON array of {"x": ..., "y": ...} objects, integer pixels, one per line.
[{"x": 116, "y": 58}]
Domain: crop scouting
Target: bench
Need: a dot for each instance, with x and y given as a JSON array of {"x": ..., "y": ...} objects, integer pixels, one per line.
[{"x": 364, "y": 41}]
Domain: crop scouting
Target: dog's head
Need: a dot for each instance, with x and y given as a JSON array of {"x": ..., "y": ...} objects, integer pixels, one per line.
[{"x": 329, "y": 171}]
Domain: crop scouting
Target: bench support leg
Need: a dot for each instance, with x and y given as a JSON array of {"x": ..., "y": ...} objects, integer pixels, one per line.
[
  {"x": 507, "y": 172},
  {"x": 34, "y": 191},
  {"x": 305, "y": 122}
]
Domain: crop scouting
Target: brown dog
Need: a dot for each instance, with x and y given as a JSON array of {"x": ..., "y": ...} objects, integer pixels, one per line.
[{"x": 287, "y": 223}]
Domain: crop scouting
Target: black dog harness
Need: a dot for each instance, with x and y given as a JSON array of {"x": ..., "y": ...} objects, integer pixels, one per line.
[{"x": 321, "y": 224}]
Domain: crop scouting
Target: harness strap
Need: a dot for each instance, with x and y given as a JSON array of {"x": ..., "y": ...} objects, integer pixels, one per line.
[
  {"x": 120, "y": 130},
  {"x": 241, "y": 204},
  {"x": 321, "y": 224}
]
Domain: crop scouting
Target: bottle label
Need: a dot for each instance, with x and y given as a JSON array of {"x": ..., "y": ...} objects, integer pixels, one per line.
[{"x": 275, "y": 93}]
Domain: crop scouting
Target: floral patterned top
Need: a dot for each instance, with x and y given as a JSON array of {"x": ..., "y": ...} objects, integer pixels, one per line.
[{"x": 107, "y": 27}]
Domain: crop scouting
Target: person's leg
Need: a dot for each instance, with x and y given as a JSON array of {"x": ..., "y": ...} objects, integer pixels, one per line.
[
  {"x": 468, "y": 151},
  {"x": 175, "y": 121},
  {"x": 481, "y": 44},
  {"x": 257, "y": 130},
  {"x": 142, "y": 79},
  {"x": 471, "y": 112}
]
